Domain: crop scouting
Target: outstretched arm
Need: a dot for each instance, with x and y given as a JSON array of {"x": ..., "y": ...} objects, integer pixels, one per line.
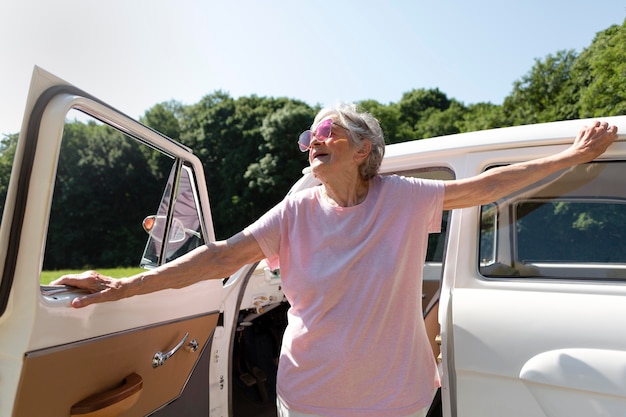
[
  {"x": 212, "y": 261},
  {"x": 495, "y": 183}
]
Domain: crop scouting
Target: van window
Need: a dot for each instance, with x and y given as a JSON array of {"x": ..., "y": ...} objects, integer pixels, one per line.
[{"x": 569, "y": 226}]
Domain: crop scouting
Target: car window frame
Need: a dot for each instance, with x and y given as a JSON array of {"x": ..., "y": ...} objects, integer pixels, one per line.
[{"x": 505, "y": 235}]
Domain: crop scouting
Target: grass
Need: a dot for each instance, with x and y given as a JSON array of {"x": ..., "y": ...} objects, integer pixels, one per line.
[{"x": 48, "y": 276}]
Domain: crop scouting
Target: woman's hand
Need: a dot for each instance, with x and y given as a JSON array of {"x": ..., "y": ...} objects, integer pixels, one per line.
[
  {"x": 101, "y": 287},
  {"x": 593, "y": 140}
]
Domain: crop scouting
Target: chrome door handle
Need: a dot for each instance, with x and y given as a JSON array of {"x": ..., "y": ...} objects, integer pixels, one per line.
[{"x": 160, "y": 357}]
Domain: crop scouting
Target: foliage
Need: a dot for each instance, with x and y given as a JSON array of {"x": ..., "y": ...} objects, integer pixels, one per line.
[
  {"x": 7, "y": 153},
  {"x": 536, "y": 97},
  {"x": 389, "y": 118},
  {"x": 416, "y": 108},
  {"x": 482, "y": 116},
  {"x": 165, "y": 118},
  {"x": 567, "y": 86},
  {"x": 227, "y": 136},
  {"x": 99, "y": 195},
  {"x": 436, "y": 122},
  {"x": 602, "y": 68},
  {"x": 281, "y": 162}
]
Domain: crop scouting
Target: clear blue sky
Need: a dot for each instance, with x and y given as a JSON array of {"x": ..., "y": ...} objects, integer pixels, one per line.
[{"x": 136, "y": 53}]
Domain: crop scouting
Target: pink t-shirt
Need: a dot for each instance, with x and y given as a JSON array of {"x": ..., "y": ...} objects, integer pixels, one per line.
[{"x": 355, "y": 343}]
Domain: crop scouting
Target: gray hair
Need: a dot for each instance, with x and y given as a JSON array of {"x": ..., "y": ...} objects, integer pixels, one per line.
[{"x": 361, "y": 126}]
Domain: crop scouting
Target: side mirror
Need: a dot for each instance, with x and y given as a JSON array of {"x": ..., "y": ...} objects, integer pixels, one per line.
[{"x": 153, "y": 225}]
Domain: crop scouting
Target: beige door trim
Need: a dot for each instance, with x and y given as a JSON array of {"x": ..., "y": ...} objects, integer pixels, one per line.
[{"x": 55, "y": 379}]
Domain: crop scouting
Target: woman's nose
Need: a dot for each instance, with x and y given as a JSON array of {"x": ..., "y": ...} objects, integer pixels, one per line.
[{"x": 314, "y": 141}]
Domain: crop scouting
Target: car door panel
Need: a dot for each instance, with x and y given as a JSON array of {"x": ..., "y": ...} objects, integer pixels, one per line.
[
  {"x": 112, "y": 358},
  {"x": 578, "y": 381},
  {"x": 533, "y": 376},
  {"x": 57, "y": 323}
]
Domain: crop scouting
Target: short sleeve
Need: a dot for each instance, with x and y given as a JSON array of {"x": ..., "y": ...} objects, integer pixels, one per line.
[
  {"x": 426, "y": 198},
  {"x": 438, "y": 190}
]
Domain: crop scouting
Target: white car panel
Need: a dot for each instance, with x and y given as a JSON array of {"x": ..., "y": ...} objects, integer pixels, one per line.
[{"x": 557, "y": 378}]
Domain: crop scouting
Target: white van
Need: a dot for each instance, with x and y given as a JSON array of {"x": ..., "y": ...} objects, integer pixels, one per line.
[{"x": 524, "y": 296}]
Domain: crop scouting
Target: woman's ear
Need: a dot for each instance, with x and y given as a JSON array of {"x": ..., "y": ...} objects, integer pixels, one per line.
[{"x": 363, "y": 152}]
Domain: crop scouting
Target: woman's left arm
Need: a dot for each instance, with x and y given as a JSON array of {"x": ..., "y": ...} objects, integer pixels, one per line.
[{"x": 493, "y": 184}]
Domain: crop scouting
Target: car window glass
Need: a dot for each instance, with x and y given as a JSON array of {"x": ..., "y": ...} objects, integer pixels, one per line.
[
  {"x": 185, "y": 233},
  {"x": 106, "y": 183},
  {"x": 570, "y": 226}
]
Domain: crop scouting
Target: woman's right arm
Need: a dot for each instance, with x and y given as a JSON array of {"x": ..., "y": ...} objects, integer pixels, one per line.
[{"x": 214, "y": 260}]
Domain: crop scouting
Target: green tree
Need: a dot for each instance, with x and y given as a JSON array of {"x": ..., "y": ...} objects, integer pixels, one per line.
[
  {"x": 102, "y": 190},
  {"x": 210, "y": 129},
  {"x": 545, "y": 93},
  {"x": 165, "y": 118},
  {"x": 417, "y": 104},
  {"x": 226, "y": 134},
  {"x": 389, "y": 118},
  {"x": 600, "y": 75},
  {"x": 481, "y": 116},
  {"x": 435, "y": 122},
  {"x": 280, "y": 166},
  {"x": 7, "y": 153}
]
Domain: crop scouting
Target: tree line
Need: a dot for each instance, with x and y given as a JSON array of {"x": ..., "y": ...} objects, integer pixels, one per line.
[{"x": 248, "y": 144}]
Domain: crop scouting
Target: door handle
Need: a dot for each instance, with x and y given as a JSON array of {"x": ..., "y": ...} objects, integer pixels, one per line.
[
  {"x": 110, "y": 403},
  {"x": 160, "y": 357}
]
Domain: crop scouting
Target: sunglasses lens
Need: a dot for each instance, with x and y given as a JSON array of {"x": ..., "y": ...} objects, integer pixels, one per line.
[
  {"x": 304, "y": 140},
  {"x": 321, "y": 133},
  {"x": 323, "y": 130}
]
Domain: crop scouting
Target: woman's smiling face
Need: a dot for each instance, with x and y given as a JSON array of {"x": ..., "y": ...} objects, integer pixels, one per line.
[{"x": 333, "y": 154}]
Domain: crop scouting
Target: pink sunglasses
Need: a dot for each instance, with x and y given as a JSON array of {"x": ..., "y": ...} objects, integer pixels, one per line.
[{"x": 322, "y": 133}]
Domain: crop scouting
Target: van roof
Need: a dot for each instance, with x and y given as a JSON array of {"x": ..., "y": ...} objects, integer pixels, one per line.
[{"x": 553, "y": 133}]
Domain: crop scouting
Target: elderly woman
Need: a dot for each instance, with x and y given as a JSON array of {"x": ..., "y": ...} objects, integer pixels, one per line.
[{"x": 351, "y": 254}]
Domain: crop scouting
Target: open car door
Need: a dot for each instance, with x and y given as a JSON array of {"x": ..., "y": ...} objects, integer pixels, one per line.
[{"x": 126, "y": 358}]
